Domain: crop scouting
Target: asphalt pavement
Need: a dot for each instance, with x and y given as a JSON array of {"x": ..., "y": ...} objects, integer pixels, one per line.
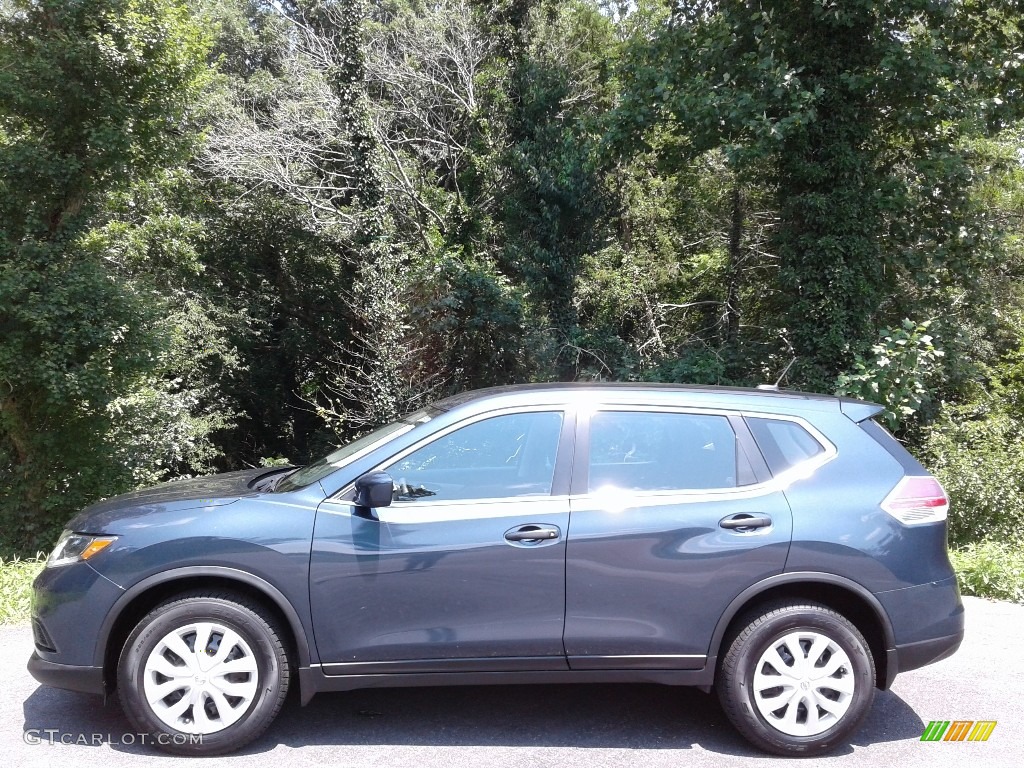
[{"x": 575, "y": 726}]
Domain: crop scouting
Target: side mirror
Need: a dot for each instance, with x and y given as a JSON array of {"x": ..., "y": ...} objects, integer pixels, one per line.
[{"x": 374, "y": 489}]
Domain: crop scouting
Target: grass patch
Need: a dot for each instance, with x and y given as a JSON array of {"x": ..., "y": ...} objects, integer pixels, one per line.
[
  {"x": 990, "y": 569},
  {"x": 16, "y": 577}
]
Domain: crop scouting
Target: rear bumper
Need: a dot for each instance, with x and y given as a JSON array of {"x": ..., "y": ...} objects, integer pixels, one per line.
[
  {"x": 915, "y": 655},
  {"x": 904, "y": 658},
  {"x": 928, "y": 624},
  {"x": 71, "y": 678}
]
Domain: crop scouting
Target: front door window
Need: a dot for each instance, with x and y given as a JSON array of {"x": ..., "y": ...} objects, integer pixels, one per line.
[{"x": 503, "y": 456}]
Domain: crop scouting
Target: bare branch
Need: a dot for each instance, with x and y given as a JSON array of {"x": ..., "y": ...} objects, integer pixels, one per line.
[{"x": 421, "y": 75}]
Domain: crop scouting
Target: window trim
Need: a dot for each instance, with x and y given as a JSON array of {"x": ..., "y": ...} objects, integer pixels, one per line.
[{"x": 759, "y": 467}]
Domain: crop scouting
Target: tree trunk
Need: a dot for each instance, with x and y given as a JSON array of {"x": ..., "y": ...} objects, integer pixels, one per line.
[{"x": 732, "y": 297}]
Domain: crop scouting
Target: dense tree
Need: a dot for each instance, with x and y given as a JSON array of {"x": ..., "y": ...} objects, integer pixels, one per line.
[
  {"x": 94, "y": 96},
  {"x": 238, "y": 231},
  {"x": 856, "y": 114}
]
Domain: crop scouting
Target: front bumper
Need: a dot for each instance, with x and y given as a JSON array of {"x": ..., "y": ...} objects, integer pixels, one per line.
[
  {"x": 69, "y": 605},
  {"x": 71, "y": 678}
]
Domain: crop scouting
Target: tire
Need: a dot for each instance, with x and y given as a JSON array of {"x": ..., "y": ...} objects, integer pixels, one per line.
[
  {"x": 825, "y": 685},
  {"x": 161, "y": 679}
]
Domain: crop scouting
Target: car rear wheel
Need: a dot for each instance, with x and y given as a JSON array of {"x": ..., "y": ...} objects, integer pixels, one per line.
[
  {"x": 797, "y": 679},
  {"x": 204, "y": 673}
]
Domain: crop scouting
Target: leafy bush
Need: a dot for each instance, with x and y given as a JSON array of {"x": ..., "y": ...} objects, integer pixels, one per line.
[
  {"x": 896, "y": 374},
  {"x": 990, "y": 569},
  {"x": 16, "y": 578},
  {"x": 977, "y": 452}
]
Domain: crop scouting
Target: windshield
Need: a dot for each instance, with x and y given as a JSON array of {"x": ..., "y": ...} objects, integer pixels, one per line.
[{"x": 349, "y": 452}]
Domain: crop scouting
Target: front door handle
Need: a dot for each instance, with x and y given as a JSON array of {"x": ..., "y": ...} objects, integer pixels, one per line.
[
  {"x": 532, "y": 533},
  {"x": 744, "y": 521}
]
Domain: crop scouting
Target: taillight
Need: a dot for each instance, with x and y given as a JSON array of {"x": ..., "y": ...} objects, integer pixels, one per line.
[{"x": 917, "y": 500}]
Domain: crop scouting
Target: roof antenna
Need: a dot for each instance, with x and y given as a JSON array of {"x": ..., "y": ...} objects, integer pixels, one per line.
[{"x": 775, "y": 387}]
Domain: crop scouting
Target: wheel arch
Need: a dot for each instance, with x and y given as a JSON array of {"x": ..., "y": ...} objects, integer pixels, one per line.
[
  {"x": 142, "y": 597},
  {"x": 843, "y": 595}
]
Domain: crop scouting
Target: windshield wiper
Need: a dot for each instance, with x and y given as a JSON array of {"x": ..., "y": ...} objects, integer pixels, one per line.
[{"x": 270, "y": 481}]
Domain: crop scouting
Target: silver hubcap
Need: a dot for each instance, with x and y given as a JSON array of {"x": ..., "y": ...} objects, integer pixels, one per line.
[
  {"x": 201, "y": 678},
  {"x": 803, "y": 684}
]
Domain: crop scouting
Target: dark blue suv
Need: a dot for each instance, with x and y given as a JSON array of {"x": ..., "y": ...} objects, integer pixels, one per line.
[{"x": 780, "y": 547}]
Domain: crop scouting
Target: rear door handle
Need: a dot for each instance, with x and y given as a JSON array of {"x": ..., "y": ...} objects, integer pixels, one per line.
[
  {"x": 745, "y": 520},
  {"x": 532, "y": 533}
]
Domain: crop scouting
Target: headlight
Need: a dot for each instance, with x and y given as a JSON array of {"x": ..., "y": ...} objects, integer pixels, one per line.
[{"x": 73, "y": 547}]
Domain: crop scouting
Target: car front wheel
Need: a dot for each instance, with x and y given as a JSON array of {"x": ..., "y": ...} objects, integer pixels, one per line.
[
  {"x": 203, "y": 673},
  {"x": 797, "y": 679}
]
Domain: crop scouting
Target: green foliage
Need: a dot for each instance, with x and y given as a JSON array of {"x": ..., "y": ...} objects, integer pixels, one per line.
[
  {"x": 94, "y": 96},
  {"x": 992, "y": 569},
  {"x": 554, "y": 200},
  {"x": 376, "y": 378},
  {"x": 897, "y": 374},
  {"x": 855, "y": 114},
  {"x": 74, "y": 338},
  {"x": 977, "y": 452},
  {"x": 274, "y": 461},
  {"x": 16, "y": 577},
  {"x": 469, "y": 319},
  {"x": 720, "y": 68},
  {"x": 236, "y": 229},
  {"x": 88, "y": 92}
]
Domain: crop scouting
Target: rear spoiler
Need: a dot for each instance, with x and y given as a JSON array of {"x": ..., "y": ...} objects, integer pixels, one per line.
[{"x": 859, "y": 410}]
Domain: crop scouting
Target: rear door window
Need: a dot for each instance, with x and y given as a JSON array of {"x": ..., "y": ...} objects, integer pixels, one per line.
[{"x": 655, "y": 451}]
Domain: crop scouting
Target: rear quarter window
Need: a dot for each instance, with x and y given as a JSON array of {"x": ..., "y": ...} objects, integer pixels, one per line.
[
  {"x": 884, "y": 438},
  {"x": 784, "y": 444}
]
